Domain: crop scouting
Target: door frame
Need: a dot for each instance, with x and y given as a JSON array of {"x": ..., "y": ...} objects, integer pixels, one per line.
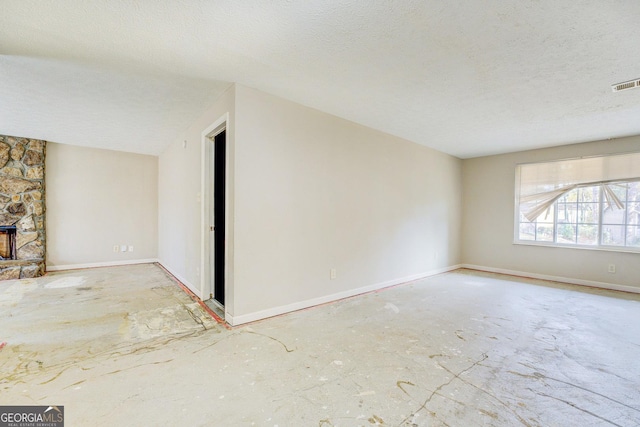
[{"x": 206, "y": 290}]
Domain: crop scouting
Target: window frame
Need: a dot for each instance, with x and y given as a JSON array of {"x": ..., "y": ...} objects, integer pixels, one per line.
[{"x": 601, "y": 203}]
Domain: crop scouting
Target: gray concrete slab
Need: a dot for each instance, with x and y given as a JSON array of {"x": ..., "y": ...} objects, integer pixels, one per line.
[{"x": 125, "y": 346}]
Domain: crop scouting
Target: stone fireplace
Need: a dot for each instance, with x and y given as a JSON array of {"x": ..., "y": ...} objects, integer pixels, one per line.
[{"x": 22, "y": 206}]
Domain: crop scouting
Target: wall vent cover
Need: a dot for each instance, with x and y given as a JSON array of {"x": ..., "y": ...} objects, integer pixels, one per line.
[{"x": 625, "y": 85}]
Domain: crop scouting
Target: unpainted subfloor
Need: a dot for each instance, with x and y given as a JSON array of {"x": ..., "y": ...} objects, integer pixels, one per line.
[{"x": 125, "y": 346}]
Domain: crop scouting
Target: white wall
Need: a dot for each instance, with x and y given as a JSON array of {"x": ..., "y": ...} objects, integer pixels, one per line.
[
  {"x": 309, "y": 192},
  {"x": 179, "y": 182},
  {"x": 488, "y": 221},
  {"x": 315, "y": 192},
  {"x": 97, "y": 199}
]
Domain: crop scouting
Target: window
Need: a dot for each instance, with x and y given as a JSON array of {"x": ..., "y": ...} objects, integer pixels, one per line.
[{"x": 590, "y": 202}]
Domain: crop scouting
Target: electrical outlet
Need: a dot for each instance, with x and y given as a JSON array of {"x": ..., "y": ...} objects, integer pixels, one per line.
[
  {"x": 130, "y": 248},
  {"x": 332, "y": 273},
  {"x": 612, "y": 268},
  {"x": 116, "y": 248}
]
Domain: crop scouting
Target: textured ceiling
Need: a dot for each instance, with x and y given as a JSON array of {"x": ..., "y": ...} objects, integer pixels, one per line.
[{"x": 468, "y": 78}]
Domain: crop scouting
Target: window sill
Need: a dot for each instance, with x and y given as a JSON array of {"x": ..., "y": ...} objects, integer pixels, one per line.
[{"x": 580, "y": 247}]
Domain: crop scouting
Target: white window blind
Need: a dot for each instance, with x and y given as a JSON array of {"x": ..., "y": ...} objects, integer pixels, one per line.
[{"x": 539, "y": 185}]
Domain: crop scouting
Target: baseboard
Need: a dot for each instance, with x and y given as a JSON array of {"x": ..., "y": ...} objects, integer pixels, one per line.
[
  {"x": 100, "y": 264},
  {"x": 569, "y": 280},
  {"x": 182, "y": 280},
  {"x": 275, "y": 311}
]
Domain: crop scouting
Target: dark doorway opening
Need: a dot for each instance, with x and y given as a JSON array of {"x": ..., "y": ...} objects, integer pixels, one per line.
[{"x": 219, "y": 185}]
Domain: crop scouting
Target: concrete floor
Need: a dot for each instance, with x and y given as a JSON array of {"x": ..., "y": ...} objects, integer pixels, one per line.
[{"x": 125, "y": 346}]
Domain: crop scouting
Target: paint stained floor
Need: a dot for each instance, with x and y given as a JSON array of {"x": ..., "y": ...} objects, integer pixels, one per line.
[{"x": 125, "y": 346}]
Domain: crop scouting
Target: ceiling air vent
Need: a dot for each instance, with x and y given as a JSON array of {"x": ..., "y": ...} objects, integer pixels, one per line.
[{"x": 625, "y": 85}]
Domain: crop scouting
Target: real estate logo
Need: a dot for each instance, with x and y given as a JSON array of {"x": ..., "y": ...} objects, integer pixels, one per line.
[{"x": 31, "y": 416}]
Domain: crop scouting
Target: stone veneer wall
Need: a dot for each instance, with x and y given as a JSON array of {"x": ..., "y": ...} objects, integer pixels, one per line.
[{"x": 22, "y": 191}]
